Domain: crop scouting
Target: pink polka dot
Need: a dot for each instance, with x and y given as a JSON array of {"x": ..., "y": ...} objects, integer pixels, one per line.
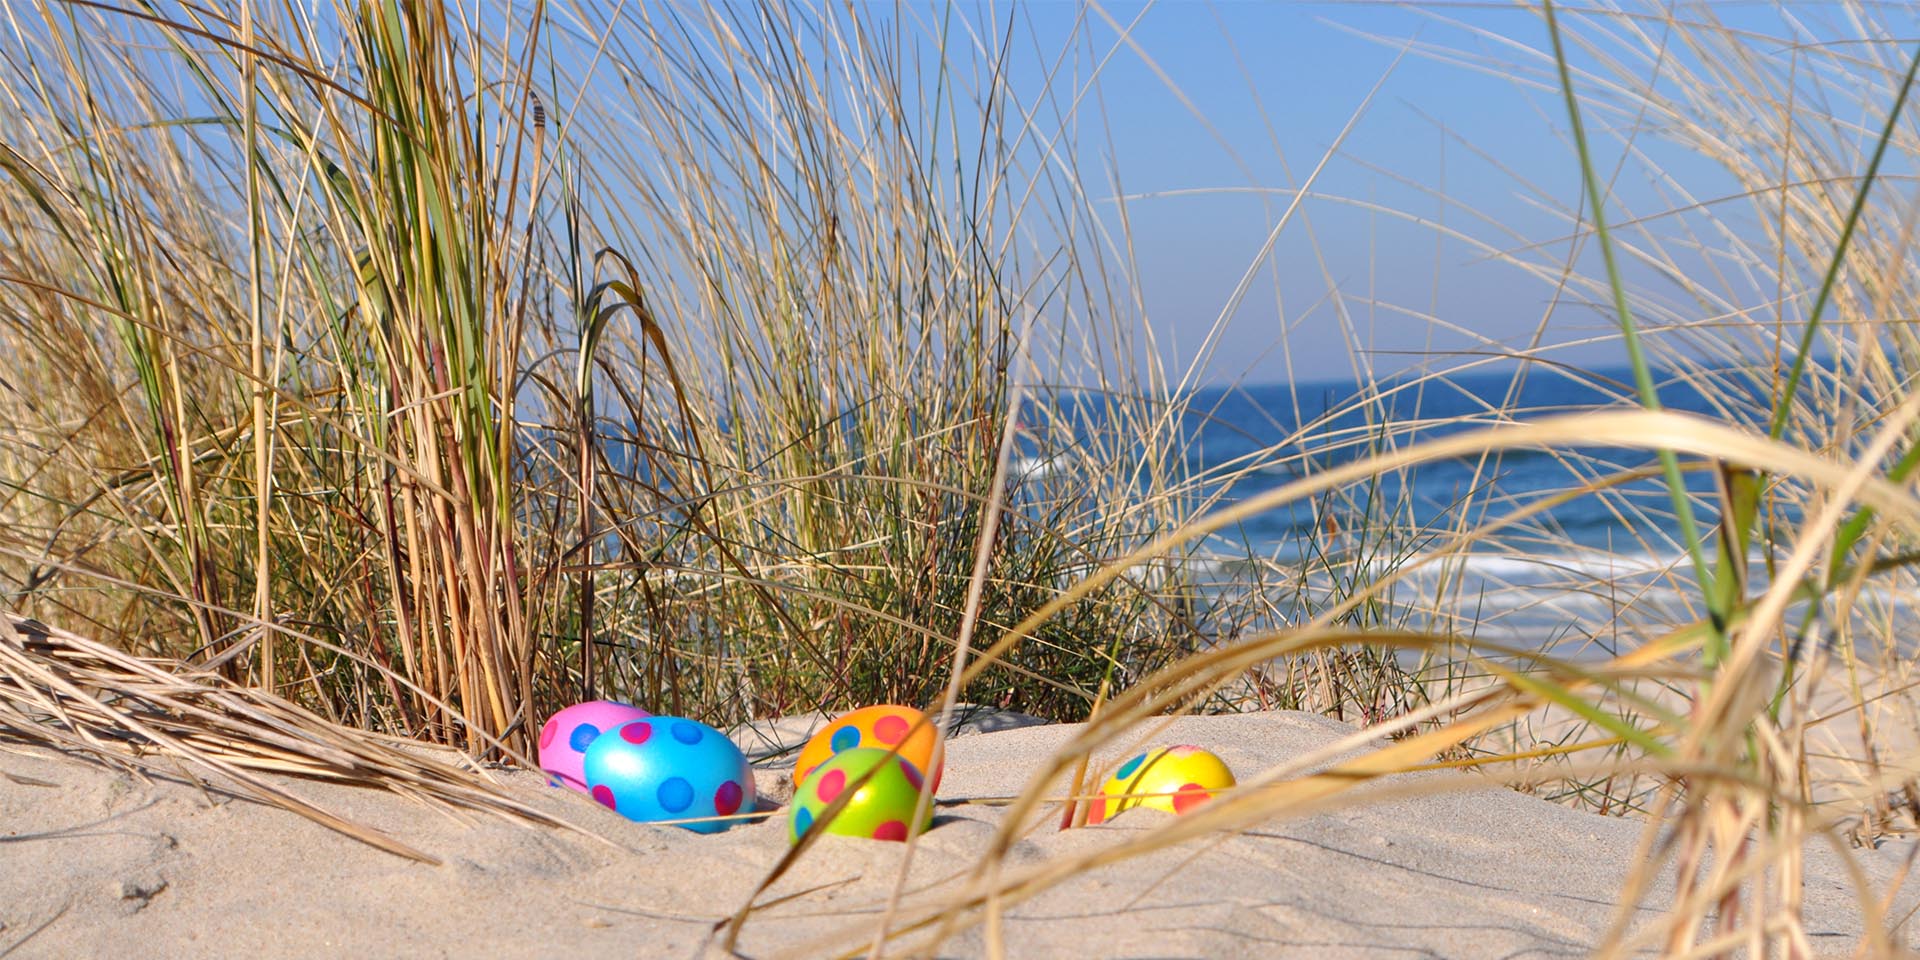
[
  {"x": 547, "y": 732},
  {"x": 726, "y": 800},
  {"x": 830, "y": 785},
  {"x": 605, "y": 796},
  {"x": 912, "y": 775},
  {"x": 1190, "y": 796},
  {"x": 891, "y": 830},
  {"x": 891, "y": 730},
  {"x": 636, "y": 732}
]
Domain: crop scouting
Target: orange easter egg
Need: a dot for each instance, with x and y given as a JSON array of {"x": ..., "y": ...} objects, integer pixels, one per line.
[{"x": 883, "y": 727}]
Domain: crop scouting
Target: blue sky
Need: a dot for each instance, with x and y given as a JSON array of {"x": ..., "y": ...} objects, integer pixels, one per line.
[
  {"x": 1305, "y": 69},
  {"x": 1196, "y": 225},
  {"x": 1363, "y": 277},
  {"x": 1216, "y": 110}
]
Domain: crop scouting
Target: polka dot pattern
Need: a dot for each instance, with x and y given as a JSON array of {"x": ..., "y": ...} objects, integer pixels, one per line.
[
  {"x": 675, "y": 795},
  {"x": 1172, "y": 779},
  {"x": 652, "y": 773},
  {"x": 830, "y": 784},
  {"x": 1190, "y": 796},
  {"x": 1097, "y": 813},
  {"x": 846, "y": 738},
  {"x": 884, "y": 807},
  {"x": 726, "y": 800},
  {"x": 891, "y": 730},
  {"x": 569, "y": 733},
  {"x": 885, "y": 726},
  {"x": 583, "y": 737}
]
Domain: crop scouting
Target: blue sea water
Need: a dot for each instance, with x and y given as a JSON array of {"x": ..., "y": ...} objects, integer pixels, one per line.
[
  {"x": 1285, "y": 431},
  {"x": 1573, "y": 564}
]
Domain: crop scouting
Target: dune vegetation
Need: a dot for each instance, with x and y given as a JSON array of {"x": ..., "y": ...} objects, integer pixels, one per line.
[{"x": 401, "y": 371}]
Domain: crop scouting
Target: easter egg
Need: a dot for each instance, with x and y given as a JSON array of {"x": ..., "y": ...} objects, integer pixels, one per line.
[
  {"x": 670, "y": 768},
  {"x": 883, "y": 726},
  {"x": 1184, "y": 777},
  {"x": 565, "y": 738},
  {"x": 881, "y": 808}
]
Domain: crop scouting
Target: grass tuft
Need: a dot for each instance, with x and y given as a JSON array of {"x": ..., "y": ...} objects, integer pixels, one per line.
[{"x": 384, "y": 371}]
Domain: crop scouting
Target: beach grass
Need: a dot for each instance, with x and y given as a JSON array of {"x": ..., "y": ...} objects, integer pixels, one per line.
[{"x": 395, "y": 372}]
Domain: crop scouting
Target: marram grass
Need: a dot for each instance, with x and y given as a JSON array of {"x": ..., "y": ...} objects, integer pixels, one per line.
[{"x": 389, "y": 373}]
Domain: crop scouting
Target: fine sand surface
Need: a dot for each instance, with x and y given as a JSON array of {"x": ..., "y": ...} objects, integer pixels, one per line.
[{"x": 94, "y": 862}]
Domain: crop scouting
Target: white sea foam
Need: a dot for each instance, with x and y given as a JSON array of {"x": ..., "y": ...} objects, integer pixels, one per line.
[
  {"x": 1587, "y": 564},
  {"x": 1035, "y": 468}
]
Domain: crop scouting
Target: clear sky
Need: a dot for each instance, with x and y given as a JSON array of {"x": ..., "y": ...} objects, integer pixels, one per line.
[
  {"x": 1277, "y": 82},
  {"x": 1212, "y": 111}
]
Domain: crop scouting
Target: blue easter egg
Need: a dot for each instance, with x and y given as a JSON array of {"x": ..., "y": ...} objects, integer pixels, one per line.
[{"x": 669, "y": 768}]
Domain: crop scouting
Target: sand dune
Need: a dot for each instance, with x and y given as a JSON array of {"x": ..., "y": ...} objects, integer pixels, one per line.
[{"x": 94, "y": 862}]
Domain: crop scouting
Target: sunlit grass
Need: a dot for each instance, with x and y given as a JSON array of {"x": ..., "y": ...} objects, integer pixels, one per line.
[{"x": 428, "y": 374}]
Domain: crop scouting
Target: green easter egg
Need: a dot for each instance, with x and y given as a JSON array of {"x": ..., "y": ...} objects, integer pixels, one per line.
[{"x": 881, "y": 808}]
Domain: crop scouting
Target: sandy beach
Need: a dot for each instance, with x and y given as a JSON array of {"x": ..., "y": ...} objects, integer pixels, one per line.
[
  {"x": 1497, "y": 424},
  {"x": 100, "y": 863}
]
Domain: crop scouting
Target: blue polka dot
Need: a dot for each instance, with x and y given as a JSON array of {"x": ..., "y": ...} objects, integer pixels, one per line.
[
  {"x": 1127, "y": 769},
  {"x": 845, "y": 738},
  {"x": 583, "y": 736},
  {"x": 686, "y": 732},
  {"x": 676, "y": 795},
  {"x": 802, "y": 820}
]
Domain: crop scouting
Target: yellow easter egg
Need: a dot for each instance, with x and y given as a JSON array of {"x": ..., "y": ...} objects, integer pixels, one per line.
[
  {"x": 1174, "y": 779},
  {"x": 881, "y": 727}
]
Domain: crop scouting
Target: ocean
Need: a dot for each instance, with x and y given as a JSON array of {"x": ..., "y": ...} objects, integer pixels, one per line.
[
  {"x": 1324, "y": 424},
  {"x": 1565, "y": 576}
]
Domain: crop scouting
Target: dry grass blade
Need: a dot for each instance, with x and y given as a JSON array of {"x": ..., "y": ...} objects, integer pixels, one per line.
[
  {"x": 306, "y": 341},
  {"x": 71, "y": 693}
]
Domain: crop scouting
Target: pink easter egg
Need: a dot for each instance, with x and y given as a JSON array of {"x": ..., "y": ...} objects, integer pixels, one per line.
[{"x": 568, "y": 734}]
